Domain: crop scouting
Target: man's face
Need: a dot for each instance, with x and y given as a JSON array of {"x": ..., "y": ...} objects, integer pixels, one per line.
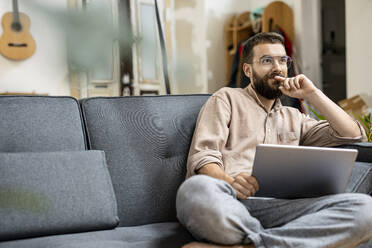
[{"x": 262, "y": 72}]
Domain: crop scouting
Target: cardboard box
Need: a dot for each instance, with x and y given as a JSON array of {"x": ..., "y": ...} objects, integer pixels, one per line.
[
  {"x": 354, "y": 106},
  {"x": 357, "y": 108}
]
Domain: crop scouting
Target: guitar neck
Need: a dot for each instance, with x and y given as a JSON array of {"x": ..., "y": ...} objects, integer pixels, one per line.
[{"x": 15, "y": 11}]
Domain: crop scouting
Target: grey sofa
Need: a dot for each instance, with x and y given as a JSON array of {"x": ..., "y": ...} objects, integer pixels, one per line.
[{"x": 102, "y": 172}]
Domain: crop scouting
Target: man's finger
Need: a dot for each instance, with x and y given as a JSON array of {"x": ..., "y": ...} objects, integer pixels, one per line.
[
  {"x": 241, "y": 192},
  {"x": 253, "y": 181},
  {"x": 243, "y": 186},
  {"x": 246, "y": 189},
  {"x": 280, "y": 78},
  {"x": 240, "y": 196},
  {"x": 297, "y": 82},
  {"x": 241, "y": 179},
  {"x": 240, "y": 188},
  {"x": 292, "y": 84},
  {"x": 286, "y": 84}
]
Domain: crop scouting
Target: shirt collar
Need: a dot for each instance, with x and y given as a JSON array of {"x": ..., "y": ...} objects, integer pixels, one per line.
[{"x": 252, "y": 92}]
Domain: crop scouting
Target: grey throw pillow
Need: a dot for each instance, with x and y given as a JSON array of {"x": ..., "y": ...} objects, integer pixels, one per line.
[{"x": 55, "y": 193}]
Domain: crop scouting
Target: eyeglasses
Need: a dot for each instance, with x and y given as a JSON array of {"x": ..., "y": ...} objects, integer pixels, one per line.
[{"x": 270, "y": 61}]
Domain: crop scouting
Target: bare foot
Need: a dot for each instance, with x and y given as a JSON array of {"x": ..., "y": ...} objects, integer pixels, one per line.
[{"x": 205, "y": 245}]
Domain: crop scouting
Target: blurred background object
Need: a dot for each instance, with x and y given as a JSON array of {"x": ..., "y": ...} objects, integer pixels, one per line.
[{"x": 85, "y": 47}]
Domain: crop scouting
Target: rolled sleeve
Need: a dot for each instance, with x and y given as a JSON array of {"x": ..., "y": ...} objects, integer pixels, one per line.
[
  {"x": 320, "y": 133},
  {"x": 201, "y": 158},
  {"x": 210, "y": 135}
]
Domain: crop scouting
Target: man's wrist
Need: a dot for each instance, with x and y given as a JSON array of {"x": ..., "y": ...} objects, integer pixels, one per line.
[
  {"x": 214, "y": 170},
  {"x": 229, "y": 179},
  {"x": 313, "y": 95}
]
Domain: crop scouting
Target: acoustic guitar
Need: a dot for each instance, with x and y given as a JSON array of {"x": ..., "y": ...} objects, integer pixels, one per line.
[{"x": 16, "y": 42}]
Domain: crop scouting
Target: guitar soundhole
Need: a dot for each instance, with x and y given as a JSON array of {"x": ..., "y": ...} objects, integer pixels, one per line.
[
  {"x": 17, "y": 44},
  {"x": 16, "y": 26}
]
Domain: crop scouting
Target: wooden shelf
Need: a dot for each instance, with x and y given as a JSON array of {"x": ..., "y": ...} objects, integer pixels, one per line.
[{"x": 238, "y": 28}]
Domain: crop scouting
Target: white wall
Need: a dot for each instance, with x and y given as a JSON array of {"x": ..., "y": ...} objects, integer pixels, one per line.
[
  {"x": 307, "y": 15},
  {"x": 189, "y": 67},
  {"x": 217, "y": 13},
  {"x": 46, "y": 71},
  {"x": 359, "y": 48}
]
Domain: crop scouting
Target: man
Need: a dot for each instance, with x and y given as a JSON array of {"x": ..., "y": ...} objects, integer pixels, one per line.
[{"x": 217, "y": 204}]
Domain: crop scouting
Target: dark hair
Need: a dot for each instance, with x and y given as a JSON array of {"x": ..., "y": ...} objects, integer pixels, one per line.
[{"x": 260, "y": 38}]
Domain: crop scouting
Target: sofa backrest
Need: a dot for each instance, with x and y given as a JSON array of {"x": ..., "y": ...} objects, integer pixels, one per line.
[
  {"x": 146, "y": 140},
  {"x": 40, "y": 123}
]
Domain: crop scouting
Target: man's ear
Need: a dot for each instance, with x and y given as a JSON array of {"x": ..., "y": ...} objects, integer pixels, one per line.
[{"x": 247, "y": 68}]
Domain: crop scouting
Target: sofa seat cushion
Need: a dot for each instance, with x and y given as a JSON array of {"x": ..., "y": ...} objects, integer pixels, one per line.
[
  {"x": 361, "y": 179},
  {"x": 161, "y": 235},
  {"x": 55, "y": 193}
]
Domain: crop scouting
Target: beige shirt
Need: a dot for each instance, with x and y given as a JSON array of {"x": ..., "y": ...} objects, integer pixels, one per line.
[{"x": 233, "y": 122}]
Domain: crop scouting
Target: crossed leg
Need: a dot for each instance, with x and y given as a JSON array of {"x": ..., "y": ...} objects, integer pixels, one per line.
[{"x": 208, "y": 208}]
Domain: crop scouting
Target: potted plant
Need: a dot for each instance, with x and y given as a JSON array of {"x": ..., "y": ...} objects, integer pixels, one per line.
[{"x": 365, "y": 120}]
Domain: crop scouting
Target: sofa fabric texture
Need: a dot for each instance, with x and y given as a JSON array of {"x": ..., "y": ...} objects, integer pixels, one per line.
[
  {"x": 361, "y": 178},
  {"x": 146, "y": 141},
  {"x": 40, "y": 123},
  {"x": 160, "y": 235},
  {"x": 55, "y": 193}
]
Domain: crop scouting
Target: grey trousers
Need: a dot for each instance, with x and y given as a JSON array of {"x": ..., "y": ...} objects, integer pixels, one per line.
[{"x": 209, "y": 209}]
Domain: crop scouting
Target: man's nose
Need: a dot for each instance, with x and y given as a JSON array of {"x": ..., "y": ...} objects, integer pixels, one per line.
[{"x": 276, "y": 65}]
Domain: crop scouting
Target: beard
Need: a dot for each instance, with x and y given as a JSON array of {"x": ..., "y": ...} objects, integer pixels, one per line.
[{"x": 263, "y": 87}]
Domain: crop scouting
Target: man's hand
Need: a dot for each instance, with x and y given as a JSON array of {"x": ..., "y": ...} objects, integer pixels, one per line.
[
  {"x": 245, "y": 185},
  {"x": 301, "y": 87},
  {"x": 297, "y": 87}
]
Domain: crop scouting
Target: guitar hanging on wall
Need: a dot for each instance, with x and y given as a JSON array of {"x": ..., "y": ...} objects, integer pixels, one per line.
[{"x": 16, "y": 42}]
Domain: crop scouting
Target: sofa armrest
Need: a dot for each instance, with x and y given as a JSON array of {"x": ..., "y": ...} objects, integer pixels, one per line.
[
  {"x": 364, "y": 151},
  {"x": 361, "y": 179}
]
